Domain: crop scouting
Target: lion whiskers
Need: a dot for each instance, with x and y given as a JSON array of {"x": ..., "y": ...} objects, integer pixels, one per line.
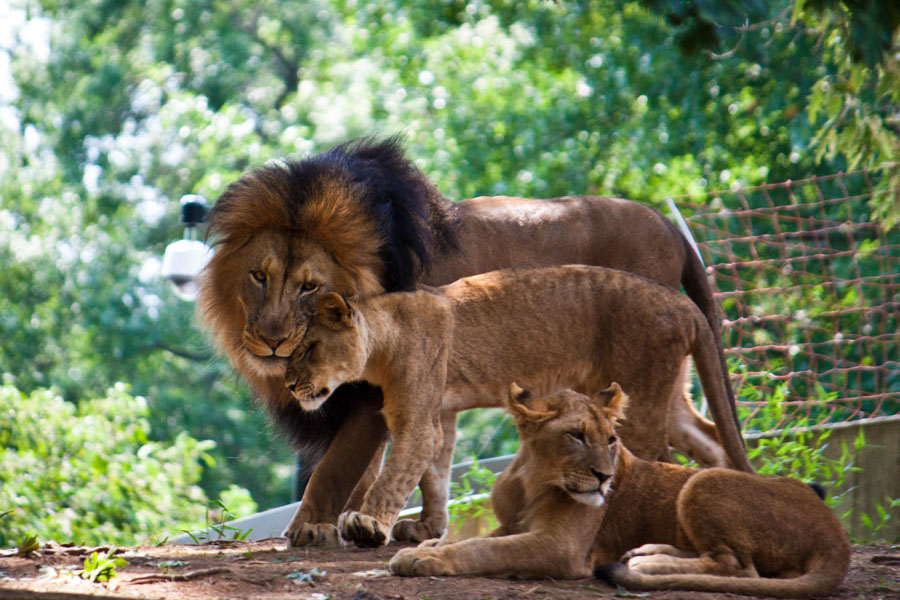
[
  {"x": 271, "y": 367},
  {"x": 302, "y": 392},
  {"x": 584, "y": 488}
]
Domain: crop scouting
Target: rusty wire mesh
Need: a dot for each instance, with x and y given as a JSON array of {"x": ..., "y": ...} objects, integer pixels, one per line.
[{"x": 809, "y": 288}]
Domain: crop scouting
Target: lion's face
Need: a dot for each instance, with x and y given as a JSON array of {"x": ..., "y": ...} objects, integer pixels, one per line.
[
  {"x": 276, "y": 279},
  {"x": 571, "y": 439},
  {"x": 355, "y": 220},
  {"x": 334, "y": 351}
]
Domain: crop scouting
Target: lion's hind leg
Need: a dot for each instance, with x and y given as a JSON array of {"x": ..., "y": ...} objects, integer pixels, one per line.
[
  {"x": 689, "y": 432},
  {"x": 721, "y": 563},
  {"x": 649, "y": 549}
]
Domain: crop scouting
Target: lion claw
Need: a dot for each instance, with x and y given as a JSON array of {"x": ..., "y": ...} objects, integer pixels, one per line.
[
  {"x": 363, "y": 530},
  {"x": 410, "y": 530},
  {"x": 417, "y": 562},
  {"x": 313, "y": 534}
]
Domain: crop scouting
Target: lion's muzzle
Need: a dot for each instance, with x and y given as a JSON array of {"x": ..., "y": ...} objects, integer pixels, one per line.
[{"x": 307, "y": 395}]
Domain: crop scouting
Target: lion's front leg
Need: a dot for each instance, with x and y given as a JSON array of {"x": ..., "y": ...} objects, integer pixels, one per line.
[
  {"x": 527, "y": 555},
  {"x": 360, "y": 437},
  {"x": 435, "y": 486},
  {"x": 302, "y": 532},
  {"x": 414, "y": 442}
]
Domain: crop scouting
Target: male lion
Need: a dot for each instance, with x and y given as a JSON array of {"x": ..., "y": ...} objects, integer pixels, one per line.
[
  {"x": 361, "y": 219},
  {"x": 437, "y": 352},
  {"x": 575, "y": 497}
]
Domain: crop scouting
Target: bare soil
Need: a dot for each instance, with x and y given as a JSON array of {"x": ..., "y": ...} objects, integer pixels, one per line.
[{"x": 266, "y": 570}]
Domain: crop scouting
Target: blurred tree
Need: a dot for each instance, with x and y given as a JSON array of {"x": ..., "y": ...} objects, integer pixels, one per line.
[
  {"x": 90, "y": 473},
  {"x": 855, "y": 103}
]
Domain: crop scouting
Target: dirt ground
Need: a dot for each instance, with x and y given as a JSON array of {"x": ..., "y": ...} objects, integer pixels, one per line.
[{"x": 266, "y": 570}]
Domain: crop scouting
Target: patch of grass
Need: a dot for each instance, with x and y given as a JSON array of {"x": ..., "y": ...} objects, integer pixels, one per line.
[
  {"x": 27, "y": 546},
  {"x": 469, "y": 500},
  {"x": 217, "y": 516},
  {"x": 102, "y": 567}
]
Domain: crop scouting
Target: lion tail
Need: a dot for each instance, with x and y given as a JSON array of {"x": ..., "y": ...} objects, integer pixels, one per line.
[
  {"x": 696, "y": 286},
  {"x": 821, "y": 579},
  {"x": 715, "y": 387}
]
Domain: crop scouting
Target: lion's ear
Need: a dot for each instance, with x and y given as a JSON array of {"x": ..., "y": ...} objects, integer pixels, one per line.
[
  {"x": 517, "y": 394},
  {"x": 614, "y": 402},
  {"x": 334, "y": 312},
  {"x": 522, "y": 406}
]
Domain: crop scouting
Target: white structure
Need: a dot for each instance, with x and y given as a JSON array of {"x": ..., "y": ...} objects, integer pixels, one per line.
[{"x": 272, "y": 523}]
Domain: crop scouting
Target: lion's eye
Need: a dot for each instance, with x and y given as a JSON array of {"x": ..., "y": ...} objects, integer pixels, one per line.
[
  {"x": 612, "y": 440},
  {"x": 304, "y": 353},
  {"x": 577, "y": 435},
  {"x": 308, "y": 287},
  {"x": 258, "y": 276}
]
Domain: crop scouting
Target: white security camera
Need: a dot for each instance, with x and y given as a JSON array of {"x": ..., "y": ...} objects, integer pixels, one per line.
[{"x": 185, "y": 258}]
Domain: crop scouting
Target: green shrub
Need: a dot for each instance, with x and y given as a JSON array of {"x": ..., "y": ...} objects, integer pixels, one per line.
[
  {"x": 470, "y": 498},
  {"x": 89, "y": 473}
]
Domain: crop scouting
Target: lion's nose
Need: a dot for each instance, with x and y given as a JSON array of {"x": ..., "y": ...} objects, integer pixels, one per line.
[
  {"x": 601, "y": 477},
  {"x": 273, "y": 343}
]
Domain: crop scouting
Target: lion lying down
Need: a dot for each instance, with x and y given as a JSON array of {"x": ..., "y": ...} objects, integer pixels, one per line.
[
  {"x": 435, "y": 353},
  {"x": 574, "y": 498}
]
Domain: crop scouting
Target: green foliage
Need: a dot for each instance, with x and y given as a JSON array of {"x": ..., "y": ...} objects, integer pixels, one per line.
[
  {"x": 800, "y": 455},
  {"x": 89, "y": 473},
  {"x": 217, "y": 516},
  {"x": 27, "y": 546},
  {"x": 701, "y": 25},
  {"x": 476, "y": 480},
  {"x": 99, "y": 568},
  {"x": 485, "y": 433},
  {"x": 799, "y": 452},
  {"x": 469, "y": 496},
  {"x": 884, "y": 511}
]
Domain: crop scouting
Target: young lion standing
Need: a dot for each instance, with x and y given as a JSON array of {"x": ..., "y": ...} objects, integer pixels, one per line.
[
  {"x": 436, "y": 353},
  {"x": 575, "y": 497}
]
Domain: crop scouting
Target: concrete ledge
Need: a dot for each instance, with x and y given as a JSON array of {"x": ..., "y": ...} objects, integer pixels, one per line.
[{"x": 272, "y": 523}]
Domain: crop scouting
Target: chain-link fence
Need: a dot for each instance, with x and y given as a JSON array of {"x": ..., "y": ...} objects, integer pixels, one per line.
[{"x": 809, "y": 290}]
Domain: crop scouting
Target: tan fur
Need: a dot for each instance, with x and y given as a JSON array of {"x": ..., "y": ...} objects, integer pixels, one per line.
[
  {"x": 436, "y": 353},
  {"x": 317, "y": 228},
  {"x": 713, "y": 530}
]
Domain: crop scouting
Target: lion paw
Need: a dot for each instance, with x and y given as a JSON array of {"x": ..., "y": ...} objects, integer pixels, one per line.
[
  {"x": 363, "y": 530},
  {"x": 418, "y": 561},
  {"x": 313, "y": 534},
  {"x": 411, "y": 530},
  {"x": 656, "y": 549}
]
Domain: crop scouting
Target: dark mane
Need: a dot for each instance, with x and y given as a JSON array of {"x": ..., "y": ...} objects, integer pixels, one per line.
[
  {"x": 409, "y": 210},
  {"x": 361, "y": 193},
  {"x": 365, "y": 204}
]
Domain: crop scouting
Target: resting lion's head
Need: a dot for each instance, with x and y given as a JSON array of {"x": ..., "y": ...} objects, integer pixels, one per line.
[
  {"x": 357, "y": 220},
  {"x": 570, "y": 439},
  {"x": 334, "y": 351}
]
